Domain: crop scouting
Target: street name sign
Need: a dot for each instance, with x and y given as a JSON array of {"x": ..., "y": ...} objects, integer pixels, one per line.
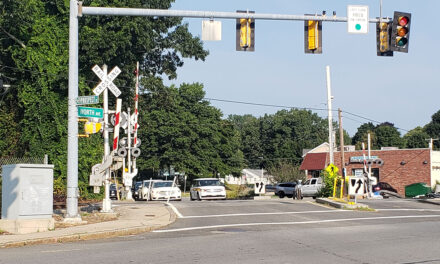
[
  {"x": 90, "y": 112},
  {"x": 106, "y": 80},
  {"x": 85, "y": 100},
  {"x": 357, "y": 19}
]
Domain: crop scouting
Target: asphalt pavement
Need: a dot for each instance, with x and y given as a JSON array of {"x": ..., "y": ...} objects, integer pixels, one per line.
[{"x": 132, "y": 218}]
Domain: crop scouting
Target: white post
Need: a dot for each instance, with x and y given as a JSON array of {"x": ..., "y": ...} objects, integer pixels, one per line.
[
  {"x": 370, "y": 186},
  {"x": 129, "y": 195},
  {"x": 330, "y": 119},
  {"x": 106, "y": 203}
]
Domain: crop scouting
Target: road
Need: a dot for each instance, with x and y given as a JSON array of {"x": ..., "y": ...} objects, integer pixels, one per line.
[{"x": 273, "y": 231}]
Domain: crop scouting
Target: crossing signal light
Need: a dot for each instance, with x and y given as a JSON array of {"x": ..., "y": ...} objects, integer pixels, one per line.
[
  {"x": 383, "y": 39},
  {"x": 245, "y": 33},
  {"x": 313, "y": 36},
  {"x": 400, "y": 32}
]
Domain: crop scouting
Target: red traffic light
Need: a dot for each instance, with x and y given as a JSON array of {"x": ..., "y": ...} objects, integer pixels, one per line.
[{"x": 403, "y": 21}]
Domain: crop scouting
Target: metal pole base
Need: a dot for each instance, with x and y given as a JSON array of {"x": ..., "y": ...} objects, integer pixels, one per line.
[
  {"x": 129, "y": 195},
  {"x": 107, "y": 206}
]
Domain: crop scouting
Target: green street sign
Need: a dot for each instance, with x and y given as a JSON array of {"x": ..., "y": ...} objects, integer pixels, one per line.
[
  {"x": 84, "y": 100},
  {"x": 90, "y": 112}
]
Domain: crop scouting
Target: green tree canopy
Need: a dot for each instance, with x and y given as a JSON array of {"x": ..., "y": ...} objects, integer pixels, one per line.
[
  {"x": 182, "y": 130},
  {"x": 416, "y": 138},
  {"x": 34, "y": 61}
]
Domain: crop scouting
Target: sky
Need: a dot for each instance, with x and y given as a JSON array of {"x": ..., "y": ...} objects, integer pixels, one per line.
[{"x": 402, "y": 89}]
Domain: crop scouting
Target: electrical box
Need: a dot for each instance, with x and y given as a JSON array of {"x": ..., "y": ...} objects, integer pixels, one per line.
[{"x": 27, "y": 191}]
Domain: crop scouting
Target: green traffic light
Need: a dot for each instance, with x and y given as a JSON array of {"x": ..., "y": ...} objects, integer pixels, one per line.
[{"x": 401, "y": 42}]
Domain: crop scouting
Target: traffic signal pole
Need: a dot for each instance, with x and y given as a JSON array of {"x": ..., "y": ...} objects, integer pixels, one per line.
[
  {"x": 112, "y": 11},
  {"x": 77, "y": 10}
]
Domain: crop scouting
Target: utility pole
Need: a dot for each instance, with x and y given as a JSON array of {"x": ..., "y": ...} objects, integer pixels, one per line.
[
  {"x": 330, "y": 120},
  {"x": 341, "y": 142}
]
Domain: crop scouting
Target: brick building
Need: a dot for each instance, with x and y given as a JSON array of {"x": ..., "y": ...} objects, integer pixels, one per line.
[{"x": 398, "y": 167}]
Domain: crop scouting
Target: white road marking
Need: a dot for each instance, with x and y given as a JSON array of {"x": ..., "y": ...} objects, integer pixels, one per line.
[
  {"x": 179, "y": 215},
  {"x": 295, "y": 223},
  {"x": 60, "y": 250},
  {"x": 409, "y": 209},
  {"x": 274, "y": 213}
]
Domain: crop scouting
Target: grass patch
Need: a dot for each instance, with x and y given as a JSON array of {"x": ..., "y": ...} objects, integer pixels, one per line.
[{"x": 362, "y": 208}]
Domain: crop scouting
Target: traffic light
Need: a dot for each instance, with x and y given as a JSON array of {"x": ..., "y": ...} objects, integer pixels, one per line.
[
  {"x": 400, "y": 32},
  {"x": 383, "y": 39},
  {"x": 245, "y": 33},
  {"x": 313, "y": 36}
]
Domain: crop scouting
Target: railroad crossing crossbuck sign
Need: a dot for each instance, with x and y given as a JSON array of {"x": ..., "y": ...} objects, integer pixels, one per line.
[{"x": 106, "y": 80}]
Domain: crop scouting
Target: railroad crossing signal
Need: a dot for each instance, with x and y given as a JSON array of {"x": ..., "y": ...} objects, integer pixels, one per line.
[
  {"x": 313, "y": 36},
  {"x": 245, "y": 33},
  {"x": 383, "y": 39},
  {"x": 400, "y": 31},
  {"x": 106, "y": 80}
]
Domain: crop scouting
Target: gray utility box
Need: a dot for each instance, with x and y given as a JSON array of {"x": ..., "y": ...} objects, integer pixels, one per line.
[{"x": 27, "y": 191}]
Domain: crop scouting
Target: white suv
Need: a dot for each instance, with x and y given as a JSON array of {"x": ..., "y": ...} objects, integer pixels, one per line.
[{"x": 207, "y": 188}]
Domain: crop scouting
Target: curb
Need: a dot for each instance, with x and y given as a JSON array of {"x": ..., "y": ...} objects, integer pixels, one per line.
[
  {"x": 340, "y": 205},
  {"x": 89, "y": 236}
]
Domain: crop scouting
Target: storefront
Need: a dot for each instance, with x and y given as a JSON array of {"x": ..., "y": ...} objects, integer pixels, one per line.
[{"x": 397, "y": 167}]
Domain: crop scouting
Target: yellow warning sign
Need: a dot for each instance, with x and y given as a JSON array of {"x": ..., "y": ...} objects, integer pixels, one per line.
[{"x": 332, "y": 170}]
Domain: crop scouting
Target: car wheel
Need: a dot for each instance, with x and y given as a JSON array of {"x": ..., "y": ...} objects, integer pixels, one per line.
[
  {"x": 191, "y": 196},
  {"x": 281, "y": 195},
  {"x": 198, "y": 197}
]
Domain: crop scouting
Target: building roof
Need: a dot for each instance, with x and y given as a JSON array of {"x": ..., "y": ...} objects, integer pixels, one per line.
[{"x": 314, "y": 161}]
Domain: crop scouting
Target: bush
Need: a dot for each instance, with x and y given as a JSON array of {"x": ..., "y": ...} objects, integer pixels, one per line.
[
  {"x": 327, "y": 188},
  {"x": 238, "y": 191}
]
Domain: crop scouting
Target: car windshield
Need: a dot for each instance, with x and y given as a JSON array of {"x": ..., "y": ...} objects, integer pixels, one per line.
[
  {"x": 147, "y": 184},
  {"x": 112, "y": 187},
  {"x": 210, "y": 183},
  {"x": 163, "y": 184}
]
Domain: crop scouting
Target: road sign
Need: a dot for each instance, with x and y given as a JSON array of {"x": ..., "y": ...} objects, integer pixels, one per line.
[
  {"x": 356, "y": 186},
  {"x": 332, "y": 170},
  {"x": 106, "y": 80},
  {"x": 259, "y": 188},
  {"x": 84, "y": 100},
  {"x": 357, "y": 19},
  {"x": 90, "y": 112}
]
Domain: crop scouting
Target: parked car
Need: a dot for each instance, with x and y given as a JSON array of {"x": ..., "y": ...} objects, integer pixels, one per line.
[
  {"x": 135, "y": 190},
  {"x": 207, "y": 188},
  {"x": 285, "y": 189},
  {"x": 270, "y": 188},
  {"x": 311, "y": 187},
  {"x": 113, "y": 192},
  {"x": 162, "y": 190},
  {"x": 144, "y": 192},
  {"x": 383, "y": 186}
]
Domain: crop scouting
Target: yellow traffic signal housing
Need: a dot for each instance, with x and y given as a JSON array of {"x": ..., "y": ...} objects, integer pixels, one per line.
[
  {"x": 383, "y": 39},
  {"x": 92, "y": 127},
  {"x": 313, "y": 36},
  {"x": 245, "y": 33}
]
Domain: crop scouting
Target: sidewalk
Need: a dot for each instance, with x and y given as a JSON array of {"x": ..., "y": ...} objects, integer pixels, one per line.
[{"x": 133, "y": 218}]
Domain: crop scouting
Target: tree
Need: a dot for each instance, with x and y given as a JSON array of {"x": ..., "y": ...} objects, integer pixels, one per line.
[
  {"x": 182, "y": 130},
  {"x": 433, "y": 128},
  {"x": 388, "y": 136},
  {"x": 361, "y": 135},
  {"x": 416, "y": 138},
  {"x": 286, "y": 172},
  {"x": 248, "y": 128},
  {"x": 34, "y": 59}
]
